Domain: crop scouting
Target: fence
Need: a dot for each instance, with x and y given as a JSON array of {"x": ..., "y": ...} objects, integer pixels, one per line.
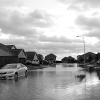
[{"x": 8, "y": 60}]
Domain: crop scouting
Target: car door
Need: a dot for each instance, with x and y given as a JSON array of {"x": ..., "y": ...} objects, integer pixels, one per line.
[
  {"x": 23, "y": 69},
  {"x": 19, "y": 69}
]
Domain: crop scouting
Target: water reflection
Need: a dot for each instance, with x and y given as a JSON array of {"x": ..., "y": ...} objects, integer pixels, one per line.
[
  {"x": 53, "y": 83},
  {"x": 53, "y": 65},
  {"x": 81, "y": 77},
  {"x": 68, "y": 65},
  {"x": 98, "y": 74}
]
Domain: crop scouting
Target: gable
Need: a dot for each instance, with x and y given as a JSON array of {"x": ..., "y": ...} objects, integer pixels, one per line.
[
  {"x": 13, "y": 47},
  {"x": 21, "y": 54},
  {"x": 32, "y": 56},
  {"x": 4, "y": 53},
  {"x": 35, "y": 57},
  {"x": 5, "y": 48}
]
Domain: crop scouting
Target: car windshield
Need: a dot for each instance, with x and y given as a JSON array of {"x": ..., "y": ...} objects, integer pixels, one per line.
[{"x": 10, "y": 66}]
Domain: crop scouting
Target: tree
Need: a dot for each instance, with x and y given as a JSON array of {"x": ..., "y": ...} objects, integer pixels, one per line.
[{"x": 90, "y": 58}]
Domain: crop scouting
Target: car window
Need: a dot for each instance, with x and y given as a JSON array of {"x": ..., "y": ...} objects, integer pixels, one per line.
[
  {"x": 22, "y": 65},
  {"x": 10, "y": 66}
]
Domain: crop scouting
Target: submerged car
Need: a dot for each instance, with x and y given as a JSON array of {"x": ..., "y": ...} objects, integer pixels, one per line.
[{"x": 13, "y": 71}]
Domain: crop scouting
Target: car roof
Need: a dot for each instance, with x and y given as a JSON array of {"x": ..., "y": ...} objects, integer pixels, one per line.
[
  {"x": 15, "y": 64},
  {"x": 12, "y": 64}
]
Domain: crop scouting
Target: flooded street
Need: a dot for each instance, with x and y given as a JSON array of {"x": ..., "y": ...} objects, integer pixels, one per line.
[{"x": 53, "y": 83}]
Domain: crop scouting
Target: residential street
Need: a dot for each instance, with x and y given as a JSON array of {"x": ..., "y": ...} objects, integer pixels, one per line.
[{"x": 53, "y": 83}]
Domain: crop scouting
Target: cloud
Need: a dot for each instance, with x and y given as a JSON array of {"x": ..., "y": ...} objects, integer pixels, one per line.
[
  {"x": 40, "y": 19},
  {"x": 88, "y": 23},
  {"x": 93, "y": 3},
  {"x": 93, "y": 33},
  {"x": 44, "y": 45},
  {"x": 11, "y": 3},
  {"x": 81, "y": 4},
  {"x": 55, "y": 39},
  {"x": 74, "y": 7},
  {"x": 93, "y": 48},
  {"x": 91, "y": 25},
  {"x": 17, "y": 23},
  {"x": 58, "y": 44},
  {"x": 26, "y": 29},
  {"x": 54, "y": 45}
]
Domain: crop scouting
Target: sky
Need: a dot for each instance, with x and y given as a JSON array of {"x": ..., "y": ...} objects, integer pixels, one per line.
[{"x": 51, "y": 26}]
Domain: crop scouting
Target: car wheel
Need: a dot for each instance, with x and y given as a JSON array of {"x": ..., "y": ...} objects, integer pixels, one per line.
[
  {"x": 26, "y": 73},
  {"x": 16, "y": 77}
]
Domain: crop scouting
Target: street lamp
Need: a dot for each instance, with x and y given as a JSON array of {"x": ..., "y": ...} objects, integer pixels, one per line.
[
  {"x": 84, "y": 47},
  {"x": 84, "y": 60}
]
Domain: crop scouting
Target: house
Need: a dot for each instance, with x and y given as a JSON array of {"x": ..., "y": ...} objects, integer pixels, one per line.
[
  {"x": 32, "y": 56},
  {"x": 11, "y": 46},
  {"x": 6, "y": 55},
  {"x": 51, "y": 58},
  {"x": 20, "y": 54},
  {"x": 89, "y": 57}
]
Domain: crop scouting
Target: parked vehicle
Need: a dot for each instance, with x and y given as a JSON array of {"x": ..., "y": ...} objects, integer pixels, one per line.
[
  {"x": 35, "y": 62},
  {"x": 28, "y": 62},
  {"x": 45, "y": 62},
  {"x": 13, "y": 71}
]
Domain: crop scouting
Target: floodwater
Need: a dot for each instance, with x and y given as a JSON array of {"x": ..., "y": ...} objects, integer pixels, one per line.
[{"x": 63, "y": 82}]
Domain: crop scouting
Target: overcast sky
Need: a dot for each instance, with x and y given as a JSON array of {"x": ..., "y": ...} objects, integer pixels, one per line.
[{"x": 51, "y": 26}]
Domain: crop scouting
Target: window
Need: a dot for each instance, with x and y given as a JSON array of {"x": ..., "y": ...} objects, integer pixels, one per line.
[
  {"x": 10, "y": 66},
  {"x": 22, "y": 65}
]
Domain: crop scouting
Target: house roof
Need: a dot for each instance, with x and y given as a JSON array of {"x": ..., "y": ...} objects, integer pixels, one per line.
[
  {"x": 16, "y": 51},
  {"x": 19, "y": 53},
  {"x": 5, "y": 48},
  {"x": 30, "y": 55},
  {"x": 10, "y": 46}
]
